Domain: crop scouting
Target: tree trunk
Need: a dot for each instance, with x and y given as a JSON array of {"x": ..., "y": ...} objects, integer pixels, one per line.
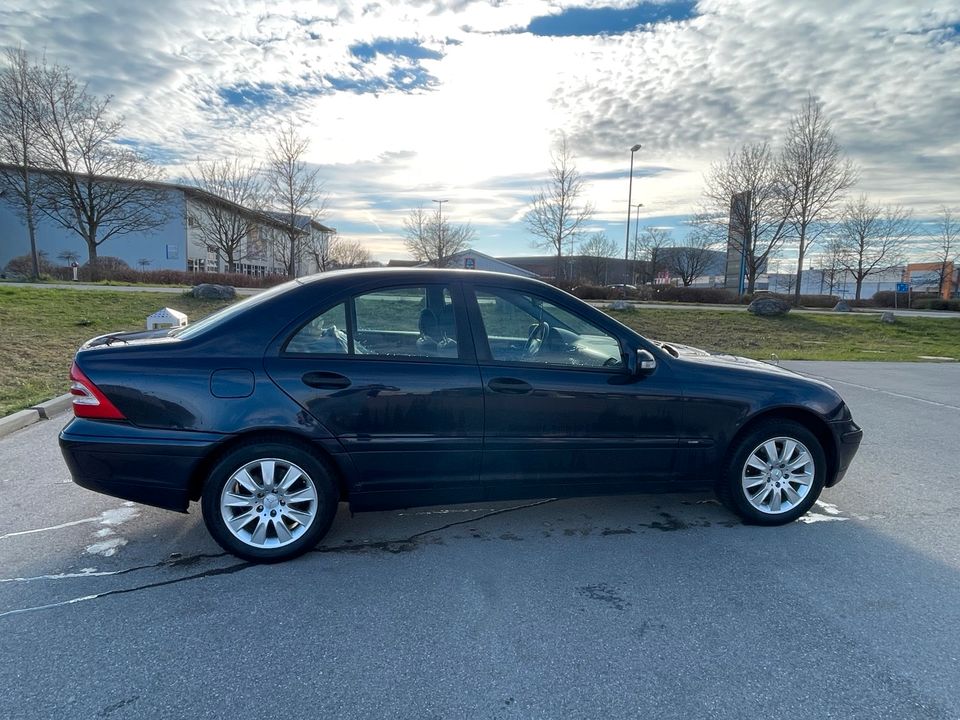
[
  {"x": 796, "y": 290},
  {"x": 92, "y": 252},
  {"x": 32, "y": 232},
  {"x": 559, "y": 260},
  {"x": 859, "y": 287}
]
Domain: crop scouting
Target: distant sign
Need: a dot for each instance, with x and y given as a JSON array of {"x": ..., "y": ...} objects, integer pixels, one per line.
[{"x": 903, "y": 287}]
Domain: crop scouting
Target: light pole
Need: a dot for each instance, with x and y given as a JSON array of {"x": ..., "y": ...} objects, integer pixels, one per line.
[
  {"x": 626, "y": 249},
  {"x": 440, "y": 247},
  {"x": 636, "y": 232}
]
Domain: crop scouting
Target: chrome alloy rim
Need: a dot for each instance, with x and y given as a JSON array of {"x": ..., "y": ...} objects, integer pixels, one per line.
[
  {"x": 268, "y": 503},
  {"x": 778, "y": 475}
]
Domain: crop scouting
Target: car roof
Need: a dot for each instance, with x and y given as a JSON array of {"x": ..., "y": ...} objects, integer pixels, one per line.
[{"x": 419, "y": 274}]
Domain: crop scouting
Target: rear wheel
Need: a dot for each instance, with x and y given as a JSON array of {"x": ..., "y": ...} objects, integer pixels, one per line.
[
  {"x": 268, "y": 502},
  {"x": 775, "y": 473}
]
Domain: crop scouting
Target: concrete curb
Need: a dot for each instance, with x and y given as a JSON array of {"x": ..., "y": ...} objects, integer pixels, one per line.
[
  {"x": 52, "y": 408},
  {"x": 44, "y": 411},
  {"x": 11, "y": 423}
]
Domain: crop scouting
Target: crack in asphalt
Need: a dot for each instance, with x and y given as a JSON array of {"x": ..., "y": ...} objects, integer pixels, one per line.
[
  {"x": 229, "y": 570},
  {"x": 388, "y": 545},
  {"x": 170, "y": 562},
  {"x": 407, "y": 544}
]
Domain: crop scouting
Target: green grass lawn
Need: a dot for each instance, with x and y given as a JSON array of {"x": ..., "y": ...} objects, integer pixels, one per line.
[
  {"x": 40, "y": 329},
  {"x": 800, "y": 337}
]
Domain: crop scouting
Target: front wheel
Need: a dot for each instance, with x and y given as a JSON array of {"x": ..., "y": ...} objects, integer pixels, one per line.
[
  {"x": 268, "y": 502},
  {"x": 775, "y": 473}
]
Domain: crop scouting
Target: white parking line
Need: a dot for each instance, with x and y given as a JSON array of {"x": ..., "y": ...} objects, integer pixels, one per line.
[
  {"x": 114, "y": 516},
  {"x": 885, "y": 392}
]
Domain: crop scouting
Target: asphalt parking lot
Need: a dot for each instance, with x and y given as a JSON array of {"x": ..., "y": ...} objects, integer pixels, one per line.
[{"x": 640, "y": 607}]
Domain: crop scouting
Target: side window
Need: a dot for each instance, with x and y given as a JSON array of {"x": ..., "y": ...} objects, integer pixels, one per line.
[
  {"x": 525, "y": 328},
  {"x": 326, "y": 334},
  {"x": 406, "y": 322}
]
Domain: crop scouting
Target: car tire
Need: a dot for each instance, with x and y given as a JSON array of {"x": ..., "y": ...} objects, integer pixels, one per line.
[
  {"x": 269, "y": 501},
  {"x": 774, "y": 474}
]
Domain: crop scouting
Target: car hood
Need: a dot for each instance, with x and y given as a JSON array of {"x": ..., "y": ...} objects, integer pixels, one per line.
[{"x": 703, "y": 357}]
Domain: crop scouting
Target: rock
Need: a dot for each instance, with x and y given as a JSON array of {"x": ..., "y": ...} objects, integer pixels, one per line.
[
  {"x": 769, "y": 307},
  {"x": 888, "y": 317},
  {"x": 842, "y": 306},
  {"x": 209, "y": 291}
]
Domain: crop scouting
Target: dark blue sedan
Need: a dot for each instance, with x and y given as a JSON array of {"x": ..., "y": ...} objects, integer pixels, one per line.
[{"x": 398, "y": 388}]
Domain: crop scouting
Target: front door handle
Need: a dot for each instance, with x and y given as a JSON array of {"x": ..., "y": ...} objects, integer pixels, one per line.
[
  {"x": 510, "y": 386},
  {"x": 326, "y": 380}
]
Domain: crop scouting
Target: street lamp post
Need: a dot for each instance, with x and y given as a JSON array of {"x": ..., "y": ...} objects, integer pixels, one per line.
[
  {"x": 626, "y": 249},
  {"x": 636, "y": 231},
  {"x": 440, "y": 230}
]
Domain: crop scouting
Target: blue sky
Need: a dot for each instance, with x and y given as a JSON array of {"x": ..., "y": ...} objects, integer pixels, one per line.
[{"x": 464, "y": 100}]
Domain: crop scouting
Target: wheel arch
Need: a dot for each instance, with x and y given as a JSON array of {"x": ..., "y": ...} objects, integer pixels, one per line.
[
  {"x": 809, "y": 419},
  {"x": 327, "y": 459}
]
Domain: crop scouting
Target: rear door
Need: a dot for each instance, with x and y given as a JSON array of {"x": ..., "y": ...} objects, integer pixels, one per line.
[{"x": 392, "y": 374}]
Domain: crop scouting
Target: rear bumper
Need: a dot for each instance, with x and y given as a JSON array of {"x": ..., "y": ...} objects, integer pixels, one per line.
[
  {"x": 147, "y": 466},
  {"x": 847, "y": 436}
]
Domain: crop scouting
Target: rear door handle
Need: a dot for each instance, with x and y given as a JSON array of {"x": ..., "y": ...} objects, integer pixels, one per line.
[
  {"x": 511, "y": 386},
  {"x": 326, "y": 380}
]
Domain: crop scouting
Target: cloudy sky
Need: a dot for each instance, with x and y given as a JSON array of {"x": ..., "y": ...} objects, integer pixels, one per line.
[{"x": 407, "y": 102}]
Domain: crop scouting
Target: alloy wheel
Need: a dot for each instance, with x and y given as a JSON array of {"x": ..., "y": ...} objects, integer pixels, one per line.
[
  {"x": 268, "y": 503},
  {"x": 778, "y": 475}
]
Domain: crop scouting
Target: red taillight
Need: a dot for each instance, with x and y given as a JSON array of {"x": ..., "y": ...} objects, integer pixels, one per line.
[{"x": 88, "y": 401}]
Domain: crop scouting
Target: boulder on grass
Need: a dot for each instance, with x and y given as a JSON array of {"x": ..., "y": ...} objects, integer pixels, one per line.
[
  {"x": 769, "y": 307},
  {"x": 842, "y": 306},
  {"x": 209, "y": 291},
  {"x": 888, "y": 317}
]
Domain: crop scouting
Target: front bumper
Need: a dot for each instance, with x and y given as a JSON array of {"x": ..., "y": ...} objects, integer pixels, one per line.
[
  {"x": 847, "y": 436},
  {"x": 152, "y": 467}
]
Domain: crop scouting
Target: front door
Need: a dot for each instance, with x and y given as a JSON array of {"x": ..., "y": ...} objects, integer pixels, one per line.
[{"x": 562, "y": 413}]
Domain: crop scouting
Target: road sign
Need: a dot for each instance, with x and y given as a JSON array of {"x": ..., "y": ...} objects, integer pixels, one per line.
[{"x": 903, "y": 287}]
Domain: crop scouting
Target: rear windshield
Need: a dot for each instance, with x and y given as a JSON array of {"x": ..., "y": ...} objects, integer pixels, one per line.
[{"x": 231, "y": 311}]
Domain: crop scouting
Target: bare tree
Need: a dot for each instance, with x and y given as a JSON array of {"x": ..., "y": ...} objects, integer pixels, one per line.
[
  {"x": 221, "y": 225},
  {"x": 598, "y": 249},
  {"x": 296, "y": 193},
  {"x": 349, "y": 253},
  {"x": 691, "y": 260},
  {"x": 649, "y": 250},
  {"x": 95, "y": 186},
  {"x": 816, "y": 176},
  {"x": 557, "y": 214},
  {"x": 18, "y": 143},
  {"x": 831, "y": 263},
  {"x": 68, "y": 256},
  {"x": 431, "y": 238},
  {"x": 747, "y": 206},
  {"x": 872, "y": 238},
  {"x": 948, "y": 248}
]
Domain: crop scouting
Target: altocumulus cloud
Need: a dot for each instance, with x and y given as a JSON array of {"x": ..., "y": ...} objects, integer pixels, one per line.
[{"x": 406, "y": 101}]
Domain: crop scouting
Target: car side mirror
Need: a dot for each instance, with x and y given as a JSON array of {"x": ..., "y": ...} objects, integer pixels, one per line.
[{"x": 641, "y": 362}]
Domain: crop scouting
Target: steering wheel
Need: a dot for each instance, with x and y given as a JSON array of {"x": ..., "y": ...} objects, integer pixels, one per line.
[{"x": 536, "y": 339}]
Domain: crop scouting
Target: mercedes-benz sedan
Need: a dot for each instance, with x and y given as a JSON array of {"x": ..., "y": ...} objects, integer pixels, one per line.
[{"x": 397, "y": 388}]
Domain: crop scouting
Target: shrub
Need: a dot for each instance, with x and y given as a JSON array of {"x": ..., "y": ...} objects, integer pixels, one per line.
[
  {"x": 884, "y": 298},
  {"x": 22, "y": 266},
  {"x": 167, "y": 277},
  {"x": 936, "y": 304},
  {"x": 670, "y": 293}
]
